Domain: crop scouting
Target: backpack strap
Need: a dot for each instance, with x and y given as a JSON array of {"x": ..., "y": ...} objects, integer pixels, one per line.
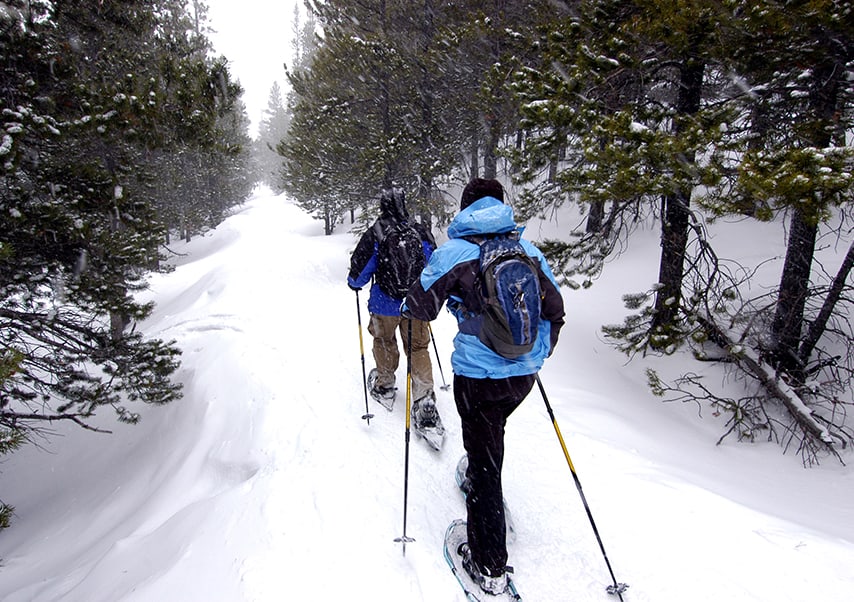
[
  {"x": 471, "y": 321},
  {"x": 382, "y": 226},
  {"x": 379, "y": 229}
]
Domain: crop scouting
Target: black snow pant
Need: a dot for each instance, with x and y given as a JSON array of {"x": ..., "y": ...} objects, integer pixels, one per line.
[{"x": 484, "y": 406}]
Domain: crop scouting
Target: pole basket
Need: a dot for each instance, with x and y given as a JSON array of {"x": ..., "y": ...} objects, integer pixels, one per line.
[
  {"x": 403, "y": 540},
  {"x": 617, "y": 589}
]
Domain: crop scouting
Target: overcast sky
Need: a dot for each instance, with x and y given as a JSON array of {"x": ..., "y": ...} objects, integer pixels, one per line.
[{"x": 255, "y": 36}]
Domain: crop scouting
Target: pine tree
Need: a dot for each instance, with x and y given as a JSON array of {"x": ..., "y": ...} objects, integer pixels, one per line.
[
  {"x": 195, "y": 156},
  {"x": 100, "y": 101},
  {"x": 354, "y": 90},
  {"x": 412, "y": 84},
  {"x": 798, "y": 158},
  {"x": 77, "y": 241},
  {"x": 617, "y": 115},
  {"x": 734, "y": 108},
  {"x": 271, "y": 131}
]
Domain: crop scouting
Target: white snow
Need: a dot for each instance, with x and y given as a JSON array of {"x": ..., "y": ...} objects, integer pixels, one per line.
[{"x": 265, "y": 484}]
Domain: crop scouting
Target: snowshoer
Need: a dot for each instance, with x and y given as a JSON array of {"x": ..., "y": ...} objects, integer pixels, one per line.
[
  {"x": 487, "y": 386},
  {"x": 392, "y": 268}
]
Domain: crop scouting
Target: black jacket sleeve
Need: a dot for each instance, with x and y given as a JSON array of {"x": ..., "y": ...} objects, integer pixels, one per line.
[
  {"x": 363, "y": 253},
  {"x": 551, "y": 308}
]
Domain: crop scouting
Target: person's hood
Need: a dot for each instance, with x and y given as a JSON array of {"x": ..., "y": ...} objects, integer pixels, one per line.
[
  {"x": 392, "y": 205},
  {"x": 485, "y": 216}
]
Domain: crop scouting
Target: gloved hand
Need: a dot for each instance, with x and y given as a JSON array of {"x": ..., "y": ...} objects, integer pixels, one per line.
[
  {"x": 404, "y": 312},
  {"x": 354, "y": 288}
]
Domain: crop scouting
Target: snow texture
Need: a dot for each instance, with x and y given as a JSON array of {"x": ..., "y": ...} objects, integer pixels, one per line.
[{"x": 264, "y": 483}]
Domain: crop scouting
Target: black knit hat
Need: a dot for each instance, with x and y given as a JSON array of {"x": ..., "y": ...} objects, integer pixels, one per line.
[{"x": 479, "y": 188}]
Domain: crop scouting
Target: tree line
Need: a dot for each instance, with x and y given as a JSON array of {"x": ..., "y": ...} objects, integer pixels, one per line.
[
  {"x": 632, "y": 112},
  {"x": 119, "y": 129}
]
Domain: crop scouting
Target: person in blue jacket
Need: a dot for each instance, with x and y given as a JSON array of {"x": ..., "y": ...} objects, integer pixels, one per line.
[
  {"x": 487, "y": 387},
  {"x": 385, "y": 318}
]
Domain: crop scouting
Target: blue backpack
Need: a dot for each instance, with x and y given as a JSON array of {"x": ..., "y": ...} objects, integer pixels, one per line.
[{"x": 510, "y": 287}]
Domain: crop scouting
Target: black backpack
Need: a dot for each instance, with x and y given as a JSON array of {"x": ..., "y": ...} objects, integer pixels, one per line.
[
  {"x": 400, "y": 259},
  {"x": 510, "y": 287}
]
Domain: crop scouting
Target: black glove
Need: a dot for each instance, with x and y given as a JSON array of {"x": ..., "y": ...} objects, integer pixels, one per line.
[{"x": 354, "y": 288}]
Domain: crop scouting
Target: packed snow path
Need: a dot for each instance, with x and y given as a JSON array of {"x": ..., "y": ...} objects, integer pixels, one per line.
[{"x": 264, "y": 483}]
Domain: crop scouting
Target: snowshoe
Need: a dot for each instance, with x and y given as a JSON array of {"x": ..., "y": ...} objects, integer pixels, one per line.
[{"x": 382, "y": 395}]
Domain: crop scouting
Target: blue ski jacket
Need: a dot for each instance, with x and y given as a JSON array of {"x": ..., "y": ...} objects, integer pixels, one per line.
[{"x": 451, "y": 275}]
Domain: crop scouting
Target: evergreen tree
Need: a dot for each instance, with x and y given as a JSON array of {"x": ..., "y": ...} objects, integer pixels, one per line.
[
  {"x": 77, "y": 240},
  {"x": 196, "y": 157},
  {"x": 656, "y": 107},
  {"x": 322, "y": 170},
  {"x": 797, "y": 157},
  {"x": 355, "y": 90},
  {"x": 403, "y": 80},
  {"x": 635, "y": 110},
  {"x": 271, "y": 131},
  {"x": 304, "y": 39},
  {"x": 99, "y": 102},
  {"x": 616, "y": 114}
]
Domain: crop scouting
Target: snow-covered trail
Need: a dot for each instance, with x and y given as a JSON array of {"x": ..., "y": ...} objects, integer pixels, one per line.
[{"x": 264, "y": 483}]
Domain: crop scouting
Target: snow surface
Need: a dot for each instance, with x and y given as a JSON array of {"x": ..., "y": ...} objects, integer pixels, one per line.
[{"x": 264, "y": 483}]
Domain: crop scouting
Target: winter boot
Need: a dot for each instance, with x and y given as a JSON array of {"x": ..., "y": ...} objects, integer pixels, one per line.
[
  {"x": 426, "y": 421},
  {"x": 425, "y": 415},
  {"x": 493, "y": 585}
]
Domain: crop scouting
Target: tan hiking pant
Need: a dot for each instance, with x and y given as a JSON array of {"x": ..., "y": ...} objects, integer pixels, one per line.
[{"x": 387, "y": 355}]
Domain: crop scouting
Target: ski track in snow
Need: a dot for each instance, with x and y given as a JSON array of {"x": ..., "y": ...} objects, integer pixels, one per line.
[{"x": 264, "y": 483}]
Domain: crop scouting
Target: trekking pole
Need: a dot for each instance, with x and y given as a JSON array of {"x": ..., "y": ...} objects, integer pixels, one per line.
[
  {"x": 367, "y": 415},
  {"x": 616, "y": 588},
  {"x": 445, "y": 386},
  {"x": 403, "y": 539}
]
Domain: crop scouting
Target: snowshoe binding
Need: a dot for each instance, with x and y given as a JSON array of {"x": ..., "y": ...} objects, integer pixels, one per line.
[
  {"x": 426, "y": 421},
  {"x": 493, "y": 585},
  {"x": 476, "y": 586}
]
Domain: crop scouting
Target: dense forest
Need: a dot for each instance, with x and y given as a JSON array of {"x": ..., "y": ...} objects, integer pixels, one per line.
[
  {"x": 122, "y": 129},
  {"x": 634, "y": 113},
  {"x": 119, "y": 130}
]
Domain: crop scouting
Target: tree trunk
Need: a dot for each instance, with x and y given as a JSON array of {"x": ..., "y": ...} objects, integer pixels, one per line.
[
  {"x": 674, "y": 240},
  {"x": 328, "y": 223},
  {"x": 385, "y": 102},
  {"x": 597, "y": 209},
  {"x": 595, "y": 217},
  {"x": 794, "y": 284},
  {"x": 474, "y": 156},
  {"x": 751, "y": 363},
  {"x": 492, "y": 116},
  {"x": 676, "y": 214},
  {"x": 833, "y": 295},
  {"x": 117, "y": 326},
  {"x": 424, "y": 206},
  {"x": 794, "y": 288},
  {"x": 490, "y": 150}
]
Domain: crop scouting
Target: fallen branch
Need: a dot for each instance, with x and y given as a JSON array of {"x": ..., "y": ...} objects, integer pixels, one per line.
[{"x": 751, "y": 363}]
